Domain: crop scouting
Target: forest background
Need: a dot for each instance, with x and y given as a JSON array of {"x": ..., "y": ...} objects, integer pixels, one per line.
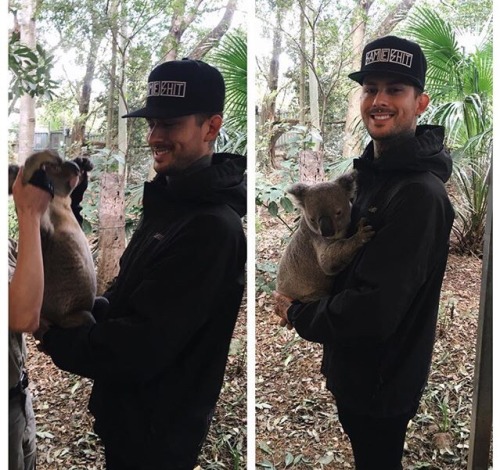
[
  {"x": 75, "y": 67},
  {"x": 309, "y": 129}
]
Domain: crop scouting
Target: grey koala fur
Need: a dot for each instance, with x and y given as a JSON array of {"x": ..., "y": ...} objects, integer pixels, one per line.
[
  {"x": 318, "y": 250},
  {"x": 69, "y": 274}
]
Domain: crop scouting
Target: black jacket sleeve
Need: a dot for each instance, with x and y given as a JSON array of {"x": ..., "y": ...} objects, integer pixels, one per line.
[
  {"x": 386, "y": 276},
  {"x": 171, "y": 305}
]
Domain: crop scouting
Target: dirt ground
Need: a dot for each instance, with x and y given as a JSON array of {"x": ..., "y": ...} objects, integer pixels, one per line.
[
  {"x": 296, "y": 421},
  {"x": 65, "y": 437},
  {"x": 297, "y": 424}
]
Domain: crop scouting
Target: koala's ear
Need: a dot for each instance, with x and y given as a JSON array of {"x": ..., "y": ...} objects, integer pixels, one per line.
[
  {"x": 13, "y": 171},
  {"x": 84, "y": 163},
  {"x": 298, "y": 191},
  {"x": 348, "y": 183}
]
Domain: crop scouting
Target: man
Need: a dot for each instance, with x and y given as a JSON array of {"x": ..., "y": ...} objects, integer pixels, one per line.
[
  {"x": 25, "y": 302},
  {"x": 378, "y": 325},
  {"x": 158, "y": 358}
]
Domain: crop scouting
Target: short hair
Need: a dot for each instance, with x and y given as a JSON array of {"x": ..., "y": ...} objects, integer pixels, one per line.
[{"x": 202, "y": 117}]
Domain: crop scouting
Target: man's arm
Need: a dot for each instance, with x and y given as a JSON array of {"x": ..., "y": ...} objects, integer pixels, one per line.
[
  {"x": 387, "y": 276},
  {"x": 171, "y": 306}
]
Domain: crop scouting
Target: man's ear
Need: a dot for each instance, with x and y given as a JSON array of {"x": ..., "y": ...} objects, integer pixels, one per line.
[
  {"x": 214, "y": 125},
  {"x": 423, "y": 102}
]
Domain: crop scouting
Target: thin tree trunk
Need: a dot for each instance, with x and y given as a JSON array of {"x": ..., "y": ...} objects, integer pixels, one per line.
[
  {"x": 302, "y": 76},
  {"x": 27, "y": 118},
  {"x": 181, "y": 20},
  {"x": 352, "y": 142},
  {"x": 214, "y": 36},
  {"x": 122, "y": 108},
  {"x": 79, "y": 126},
  {"x": 112, "y": 75},
  {"x": 394, "y": 17}
]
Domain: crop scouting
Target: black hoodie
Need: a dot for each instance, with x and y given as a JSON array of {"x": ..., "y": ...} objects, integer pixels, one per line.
[
  {"x": 158, "y": 360},
  {"x": 378, "y": 326}
]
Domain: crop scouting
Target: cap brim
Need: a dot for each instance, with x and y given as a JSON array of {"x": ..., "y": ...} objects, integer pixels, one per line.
[
  {"x": 158, "y": 113},
  {"x": 165, "y": 113},
  {"x": 360, "y": 76}
]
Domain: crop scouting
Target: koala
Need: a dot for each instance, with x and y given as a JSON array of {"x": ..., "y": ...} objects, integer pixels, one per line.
[
  {"x": 69, "y": 274},
  {"x": 319, "y": 249}
]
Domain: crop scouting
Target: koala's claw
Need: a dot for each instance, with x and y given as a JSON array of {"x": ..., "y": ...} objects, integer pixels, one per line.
[{"x": 365, "y": 232}]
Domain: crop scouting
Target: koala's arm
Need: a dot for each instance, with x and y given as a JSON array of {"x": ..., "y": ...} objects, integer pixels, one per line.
[
  {"x": 334, "y": 257},
  {"x": 389, "y": 275}
]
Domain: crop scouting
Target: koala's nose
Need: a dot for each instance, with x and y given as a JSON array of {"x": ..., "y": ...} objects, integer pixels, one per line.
[{"x": 326, "y": 226}]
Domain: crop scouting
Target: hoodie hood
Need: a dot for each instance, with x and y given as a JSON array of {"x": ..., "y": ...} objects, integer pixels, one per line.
[
  {"x": 222, "y": 182},
  {"x": 423, "y": 152}
]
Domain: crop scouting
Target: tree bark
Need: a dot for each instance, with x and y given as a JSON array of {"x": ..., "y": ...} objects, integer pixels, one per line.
[
  {"x": 113, "y": 16},
  {"x": 311, "y": 169},
  {"x": 302, "y": 76},
  {"x": 352, "y": 142},
  {"x": 27, "y": 118},
  {"x": 214, "y": 36},
  {"x": 181, "y": 19},
  {"x": 111, "y": 229},
  {"x": 394, "y": 17},
  {"x": 79, "y": 126}
]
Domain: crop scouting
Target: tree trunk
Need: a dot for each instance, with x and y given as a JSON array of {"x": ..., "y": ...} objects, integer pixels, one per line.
[
  {"x": 352, "y": 142},
  {"x": 314, "y": 105},
  {"x": 27, "y": 118},
  {"x": 112, "y": 201},
  {"x": 268, "y": 112},
  {"x": 311, "y": 169},
  {"x": 112, "y": 75},
  {"x": 79, "y": 126},
  {"x": 302, "y": 76},
  {"x": 122, "y": 106},
  {"x": 214, "y": 36},
  {"x": 394, "y": 17},
  {"x": 111, "y": 229},
  {"x": 181, "y": 19}
]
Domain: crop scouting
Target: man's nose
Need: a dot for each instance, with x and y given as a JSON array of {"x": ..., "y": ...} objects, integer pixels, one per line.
[
  {"x": 155, "y": 132},
  {"x": 380, "y": 98}
]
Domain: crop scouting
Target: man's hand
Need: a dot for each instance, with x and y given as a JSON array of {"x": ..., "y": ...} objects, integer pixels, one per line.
[
  {"x": 29, "y": 199},
  {"x": 282, "y": 304}
]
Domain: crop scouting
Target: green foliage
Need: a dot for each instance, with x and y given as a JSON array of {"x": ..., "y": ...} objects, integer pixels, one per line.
[
  {"x": 30, "y": 70},
  {"x": 12, "y": 221},
  {"x": 460, "y": 83},
  {"x": 231, "y": 59},
  {"x": 274, "y": 196}
]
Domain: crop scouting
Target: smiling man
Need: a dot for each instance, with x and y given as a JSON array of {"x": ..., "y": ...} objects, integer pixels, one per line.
[
  {"x": 378, "y": 325},
  {"x": 158, "y": 358}
]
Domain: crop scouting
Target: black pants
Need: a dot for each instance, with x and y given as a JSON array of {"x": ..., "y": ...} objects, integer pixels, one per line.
[
  {"x": 115, "y": 461},
  {"x": 377, "y": 443}
]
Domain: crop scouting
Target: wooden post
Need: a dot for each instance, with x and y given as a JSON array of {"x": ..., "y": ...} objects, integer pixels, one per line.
[
  {"x": 111, "y": 229},
  {"x": 482, "y": 412}
]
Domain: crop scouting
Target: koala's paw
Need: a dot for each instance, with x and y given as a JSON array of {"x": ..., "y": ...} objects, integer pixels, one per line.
[{"x": 365, "y": 232}]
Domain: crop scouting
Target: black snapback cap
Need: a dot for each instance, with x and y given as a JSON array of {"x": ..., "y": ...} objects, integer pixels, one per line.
[
  {"x": 394, "y": 55},
  {"x": 182, "y": 87}
]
